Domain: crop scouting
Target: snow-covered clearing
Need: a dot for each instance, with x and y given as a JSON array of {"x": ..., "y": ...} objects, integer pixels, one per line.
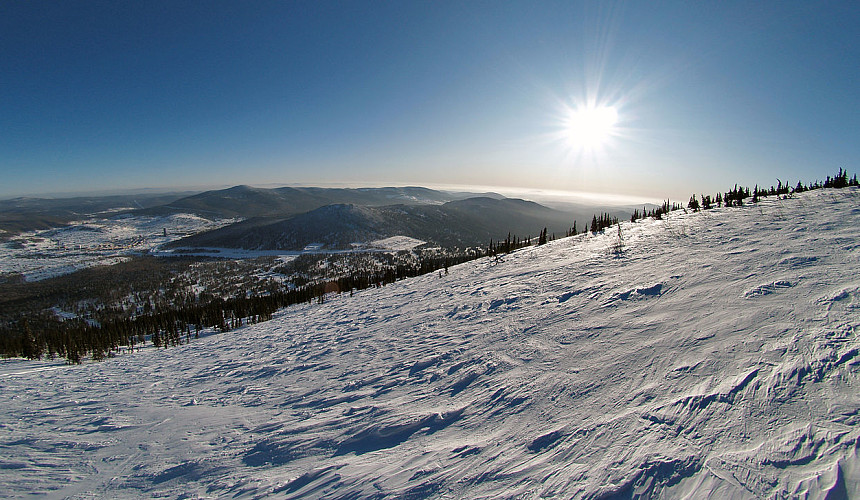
[
  {"x": 39, "y": 255},
  {"x": 393, "y": 243},
  {"x": 718, "y": 356}
]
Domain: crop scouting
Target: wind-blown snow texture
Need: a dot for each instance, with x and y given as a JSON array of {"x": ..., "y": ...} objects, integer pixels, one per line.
[{"x": 718, "y": 356}]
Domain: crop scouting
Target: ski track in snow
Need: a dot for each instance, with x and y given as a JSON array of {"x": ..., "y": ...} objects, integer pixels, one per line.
[{"x": 717, "y": 356}]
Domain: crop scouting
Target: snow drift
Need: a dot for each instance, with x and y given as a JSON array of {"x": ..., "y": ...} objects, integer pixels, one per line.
[{"x": 716, "y": 356}]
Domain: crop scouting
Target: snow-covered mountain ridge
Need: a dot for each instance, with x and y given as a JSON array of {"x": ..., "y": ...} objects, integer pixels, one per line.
[{"x": 716, "y": 356}]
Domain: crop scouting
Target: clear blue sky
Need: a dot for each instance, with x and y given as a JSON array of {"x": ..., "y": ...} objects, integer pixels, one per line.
[{"x": 116, "y": 95}]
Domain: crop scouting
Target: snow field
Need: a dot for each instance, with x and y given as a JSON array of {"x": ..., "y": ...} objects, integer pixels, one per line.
[
  {"x": 716, "y": 356},
  {"x": 93, "y": 242},
  {"x": 394, "y": 243}
]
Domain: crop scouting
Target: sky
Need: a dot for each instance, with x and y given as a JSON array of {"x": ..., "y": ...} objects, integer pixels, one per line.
[{"x": 645, "y": 99}]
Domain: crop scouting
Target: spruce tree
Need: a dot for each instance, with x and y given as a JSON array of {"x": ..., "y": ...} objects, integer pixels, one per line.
[{"x": 693, "y": 204}]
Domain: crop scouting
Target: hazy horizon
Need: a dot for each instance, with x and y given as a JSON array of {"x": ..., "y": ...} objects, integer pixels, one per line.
[{"x": 538, "y": 195}]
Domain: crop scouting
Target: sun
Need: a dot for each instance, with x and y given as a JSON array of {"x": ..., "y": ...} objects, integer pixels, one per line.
[{"x": 590, "y": 128}]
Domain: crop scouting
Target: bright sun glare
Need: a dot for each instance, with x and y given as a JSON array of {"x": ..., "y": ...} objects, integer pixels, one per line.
[{"x": 589, "y": 128}]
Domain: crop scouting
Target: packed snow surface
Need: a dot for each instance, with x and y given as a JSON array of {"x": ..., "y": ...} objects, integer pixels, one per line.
[{"x": 716, "y": 356}]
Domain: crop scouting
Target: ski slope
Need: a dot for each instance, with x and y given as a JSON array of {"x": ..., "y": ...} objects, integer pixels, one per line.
[{"x": 717, "y": 356}]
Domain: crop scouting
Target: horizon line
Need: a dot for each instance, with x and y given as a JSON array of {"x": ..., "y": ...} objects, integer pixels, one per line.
[{"x": 560, "y": 196}]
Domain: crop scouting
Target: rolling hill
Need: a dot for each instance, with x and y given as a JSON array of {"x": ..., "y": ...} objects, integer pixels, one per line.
[
  {"x": 715, "y": 356},
  {"x": 248, "y": 202},
  {"x": 461, "y": 223},
  {"x": 18, "y": 215}
]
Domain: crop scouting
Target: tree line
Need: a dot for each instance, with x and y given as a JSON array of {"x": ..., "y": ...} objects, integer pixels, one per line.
[
  {"x": 46, "y": 335},
  {"x": 735, "y": 197}
]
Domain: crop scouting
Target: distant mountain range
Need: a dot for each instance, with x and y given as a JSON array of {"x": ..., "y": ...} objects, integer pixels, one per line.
[
  {"x": 30, "y": 213},
  {"x": 247, "y": 201},
  {"x": 290, "y": 218},
  {"x": 459, "y": 223}
]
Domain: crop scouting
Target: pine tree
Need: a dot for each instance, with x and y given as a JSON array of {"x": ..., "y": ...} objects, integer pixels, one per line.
[
  {"x": 693, "y": 204},
  {"x": 841, "y": 179},
  {"x": 618, "y": 247},
  {"x": 30, "y": 347}
]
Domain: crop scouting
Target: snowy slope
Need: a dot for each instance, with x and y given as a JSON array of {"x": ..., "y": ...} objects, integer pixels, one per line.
[{"x": 718, "y": 356}]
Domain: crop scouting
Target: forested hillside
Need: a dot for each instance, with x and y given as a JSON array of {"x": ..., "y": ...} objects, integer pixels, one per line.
[{"x": 456, "y": 224}]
